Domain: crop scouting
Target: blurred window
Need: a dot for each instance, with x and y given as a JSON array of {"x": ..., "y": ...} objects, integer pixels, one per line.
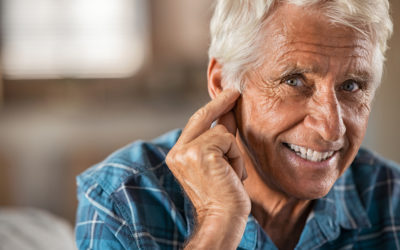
[{"x": 73, "y": 38}]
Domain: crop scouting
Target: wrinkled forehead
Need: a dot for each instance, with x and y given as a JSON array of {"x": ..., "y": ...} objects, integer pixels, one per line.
[
  {"x": 292, "y": 24},
  {"x": 296, "y": 33}
]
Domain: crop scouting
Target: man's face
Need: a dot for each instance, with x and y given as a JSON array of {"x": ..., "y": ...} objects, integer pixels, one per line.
[{"x": 304, "y": 112}]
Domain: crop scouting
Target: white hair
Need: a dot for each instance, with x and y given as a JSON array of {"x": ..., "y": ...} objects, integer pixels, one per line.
[{"x": 235, "y": 28}]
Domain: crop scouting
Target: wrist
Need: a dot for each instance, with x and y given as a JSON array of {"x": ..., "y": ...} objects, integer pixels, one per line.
[{"x": 216, "y": 231}]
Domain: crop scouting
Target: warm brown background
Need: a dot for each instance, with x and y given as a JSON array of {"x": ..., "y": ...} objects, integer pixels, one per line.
[{"x": 51, "y": 130}]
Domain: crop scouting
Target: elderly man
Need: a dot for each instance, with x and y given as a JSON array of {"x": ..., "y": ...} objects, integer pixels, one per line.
[{"x": 274, "y": 160}]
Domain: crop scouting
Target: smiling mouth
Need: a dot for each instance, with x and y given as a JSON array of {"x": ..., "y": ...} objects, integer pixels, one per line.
[{"x": 309, "y": 154}]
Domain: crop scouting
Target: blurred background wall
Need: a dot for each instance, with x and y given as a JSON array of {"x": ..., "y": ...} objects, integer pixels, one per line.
[{"x": 79, "y": 81}]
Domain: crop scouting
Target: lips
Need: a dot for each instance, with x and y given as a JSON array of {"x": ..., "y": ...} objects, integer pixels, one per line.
[{"x": 310, "y": 154}]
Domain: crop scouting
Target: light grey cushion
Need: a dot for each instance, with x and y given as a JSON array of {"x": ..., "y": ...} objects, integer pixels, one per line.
[{"x": 30, "y": 228}]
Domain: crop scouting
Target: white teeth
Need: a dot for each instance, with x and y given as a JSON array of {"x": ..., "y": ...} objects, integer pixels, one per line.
[
  {"x": 309, "y": 154},
  {"x": 303, "y": 150},
  {"x": 316, "y": 155}
]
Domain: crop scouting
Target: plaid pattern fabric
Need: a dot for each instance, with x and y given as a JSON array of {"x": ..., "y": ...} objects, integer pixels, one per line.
[{"x": 132, "y": 201}]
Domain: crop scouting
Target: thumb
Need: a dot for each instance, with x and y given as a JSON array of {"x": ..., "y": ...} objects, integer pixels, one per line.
[{"x": 229, "y": 121}]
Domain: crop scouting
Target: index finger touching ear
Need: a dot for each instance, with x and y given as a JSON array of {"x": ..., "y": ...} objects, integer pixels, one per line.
[{"x": 201, "y": 121}]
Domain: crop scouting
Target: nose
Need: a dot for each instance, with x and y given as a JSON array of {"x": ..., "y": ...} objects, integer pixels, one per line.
[{"x": 325, "y": 115}]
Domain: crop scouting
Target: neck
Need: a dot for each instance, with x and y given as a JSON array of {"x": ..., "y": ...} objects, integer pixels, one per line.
[
  {"x": 281, "y": 216},
  {"x": 270, "y": 202}
]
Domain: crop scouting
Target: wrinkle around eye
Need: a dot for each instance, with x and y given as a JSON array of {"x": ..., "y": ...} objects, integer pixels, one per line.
[
  {"x": 303, "y": 90},
  {"x": 261, "y": 82},
  {"x": 277, "y": 88},
  {"x": 270, "y": 89},
  {"x": 356, "y": 99},
  {"x": 298, "y": 77}
]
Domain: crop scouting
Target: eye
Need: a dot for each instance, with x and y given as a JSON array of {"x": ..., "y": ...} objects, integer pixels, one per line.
[
  {"x": 350, "y": 86},
  {"x": 293, "y": 81}
]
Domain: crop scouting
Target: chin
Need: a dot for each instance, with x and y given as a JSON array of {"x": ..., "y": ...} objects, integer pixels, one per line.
[
  {"x": 305, "y": 179},
  {"x": 313, "y": 193},
  {"x": 309, "y": 195},
  {"x": 309, "y": 189}
]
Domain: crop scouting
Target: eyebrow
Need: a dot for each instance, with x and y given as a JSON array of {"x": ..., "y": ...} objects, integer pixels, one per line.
[
  {"x": 293, "y": 69},
  {"x": 360, "y": 75}
]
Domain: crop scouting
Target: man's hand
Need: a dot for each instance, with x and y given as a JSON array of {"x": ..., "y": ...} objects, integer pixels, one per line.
[{"x": 208, "y": 164}]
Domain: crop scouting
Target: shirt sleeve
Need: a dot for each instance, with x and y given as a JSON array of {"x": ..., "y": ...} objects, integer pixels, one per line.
[
  {"x": 93, "y": 229},
  {"x": 130, "y": 201},
  {"x": 99, "y": 225}
]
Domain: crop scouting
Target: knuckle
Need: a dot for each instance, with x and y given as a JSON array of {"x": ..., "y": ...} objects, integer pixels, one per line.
[
  {"x": 192, "y": 153},
  {"x": 176, "y": 160},
  {"x": 179, "y": 159},
  {"x": 213, "y": 158},
  {"x": 169, "y": 159},
  {"x": 182, "y": 156}
]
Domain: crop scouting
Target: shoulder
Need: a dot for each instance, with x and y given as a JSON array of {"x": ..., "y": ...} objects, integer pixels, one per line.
[
  {"x": 378, "y": 184},
  {"x": 133, "y": 196},
  {"x": 139, "y": 157},
  {"x": 372, "y": 173}
]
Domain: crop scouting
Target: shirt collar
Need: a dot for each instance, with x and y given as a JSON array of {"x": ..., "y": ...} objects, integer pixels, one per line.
[
  {"x": 351, "y": 212},
  {"x": 342, "y": 206}
]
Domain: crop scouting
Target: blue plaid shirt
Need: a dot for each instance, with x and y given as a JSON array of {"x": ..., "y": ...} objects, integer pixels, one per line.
[{"x": 132, "y": 201}]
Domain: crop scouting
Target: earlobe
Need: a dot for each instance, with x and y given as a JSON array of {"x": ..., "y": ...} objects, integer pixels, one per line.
[{"x": 214, "y": 77}]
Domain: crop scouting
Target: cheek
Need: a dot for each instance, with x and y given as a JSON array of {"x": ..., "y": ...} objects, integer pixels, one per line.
[
  {"x": 356, "y": 120},
  {"x": 268, "y": 116}
]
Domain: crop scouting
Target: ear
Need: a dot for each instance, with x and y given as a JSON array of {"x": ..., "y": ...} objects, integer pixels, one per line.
[{"x": 214, "y": 78}]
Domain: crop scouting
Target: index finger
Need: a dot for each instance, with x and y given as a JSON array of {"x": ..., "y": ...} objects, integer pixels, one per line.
[{"x": 201, "y": 121}]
